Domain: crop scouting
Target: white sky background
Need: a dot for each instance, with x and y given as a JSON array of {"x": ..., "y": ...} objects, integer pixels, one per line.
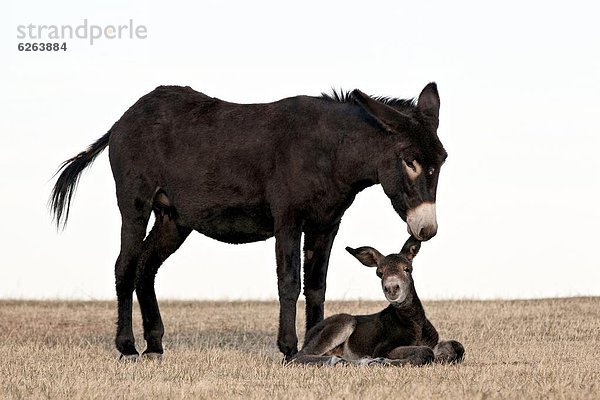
[{"x": 518, "y": 200}]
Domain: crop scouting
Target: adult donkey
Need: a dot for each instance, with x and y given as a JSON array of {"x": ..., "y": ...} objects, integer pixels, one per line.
[{"x": 243, "y": 173}]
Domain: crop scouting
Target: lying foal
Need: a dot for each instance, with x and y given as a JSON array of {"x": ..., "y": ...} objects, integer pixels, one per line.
[{"x": 398, "y": 335}]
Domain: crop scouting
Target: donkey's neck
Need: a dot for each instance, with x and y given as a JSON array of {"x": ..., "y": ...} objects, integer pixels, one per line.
[{"x": 358, "y": 154}]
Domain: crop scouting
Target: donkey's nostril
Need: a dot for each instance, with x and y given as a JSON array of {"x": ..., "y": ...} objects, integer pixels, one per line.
[{"x": 427, "y": 232}]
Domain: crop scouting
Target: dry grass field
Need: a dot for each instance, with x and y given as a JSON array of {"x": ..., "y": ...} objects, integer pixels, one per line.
[{"x": 514, "y": 349}]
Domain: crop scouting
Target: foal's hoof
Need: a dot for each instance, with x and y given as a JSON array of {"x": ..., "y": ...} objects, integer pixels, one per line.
[
  {"x": 129, "y": 357},
  {"x": 152, "y": 356},
  {"x": 449, "y": 352},
  {"x": 375, "y": 361},
  {"x": 335, "y": 360}
]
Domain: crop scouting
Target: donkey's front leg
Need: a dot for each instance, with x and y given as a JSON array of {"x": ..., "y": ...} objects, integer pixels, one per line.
[
  {"x": 287, "y": 249},
  {"x": 317, "y": 247}
]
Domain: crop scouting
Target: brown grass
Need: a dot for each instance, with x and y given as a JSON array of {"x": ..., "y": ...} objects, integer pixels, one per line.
[{"x": 515, "y": 349}]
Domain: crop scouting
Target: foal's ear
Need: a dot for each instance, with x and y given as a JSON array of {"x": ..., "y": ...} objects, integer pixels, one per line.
[
  {"x": 388, "y": 117},
  {"x": 429, "y": 100},
  {"x": 366, "y": 255},
  {"x": 411, "y": 248}
]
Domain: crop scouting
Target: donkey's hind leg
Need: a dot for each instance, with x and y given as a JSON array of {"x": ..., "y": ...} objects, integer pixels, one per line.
[
  {"x": 133, "y": 230},
  {"x": 449, "y": 351},
  {"x": 323, "y": 338},
  {"x": 162, "y": 241}
]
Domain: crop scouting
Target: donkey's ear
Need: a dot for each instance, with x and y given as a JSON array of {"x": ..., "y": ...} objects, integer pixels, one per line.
[
  {"x": 429, "y": 100},
  {"x": 366, "y": 255},
  {"x": 389, "y": 118},
  {"x": 411, "y": 248}
]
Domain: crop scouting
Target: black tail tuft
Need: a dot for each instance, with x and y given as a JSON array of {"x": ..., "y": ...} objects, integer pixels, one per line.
[{"x": 66, "y": 184}]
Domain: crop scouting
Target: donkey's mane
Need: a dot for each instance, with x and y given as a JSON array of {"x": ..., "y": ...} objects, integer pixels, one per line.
[
  {"x": 430, "y": 143},
  {"x": 345, "y": 96}
]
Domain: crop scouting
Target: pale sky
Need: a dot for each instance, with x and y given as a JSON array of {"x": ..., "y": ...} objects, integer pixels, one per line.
[{"x": 519, "y": 84}]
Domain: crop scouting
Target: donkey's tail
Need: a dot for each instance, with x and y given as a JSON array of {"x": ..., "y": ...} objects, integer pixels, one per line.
[{"x": 64, "y": 189}]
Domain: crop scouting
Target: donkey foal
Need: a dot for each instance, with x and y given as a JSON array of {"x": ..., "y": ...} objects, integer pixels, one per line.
[{"x": 398, "y": 335}]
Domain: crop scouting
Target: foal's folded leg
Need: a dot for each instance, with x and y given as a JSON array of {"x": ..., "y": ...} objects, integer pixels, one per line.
[
  {"x": 409, "y": 355},
  {"x": 323, "y": 338},
  {"x": 449, "y": 351},
  {"x": 317, "y": 360},
  {"x": 328, "y": 334}
]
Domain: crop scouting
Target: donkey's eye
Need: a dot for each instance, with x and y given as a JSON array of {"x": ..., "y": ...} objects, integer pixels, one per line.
[
  {"x": 412, "y": 169},
  {"x": 431, "y": 171}
]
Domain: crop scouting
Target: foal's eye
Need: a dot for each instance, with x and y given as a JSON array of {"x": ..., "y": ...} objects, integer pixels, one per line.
[
  {"x": 379, "y": 273},
  {"x": 407, "y": 269}
]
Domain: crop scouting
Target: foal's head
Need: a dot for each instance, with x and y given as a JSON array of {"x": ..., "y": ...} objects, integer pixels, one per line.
[{"x": 395, "y": 270}]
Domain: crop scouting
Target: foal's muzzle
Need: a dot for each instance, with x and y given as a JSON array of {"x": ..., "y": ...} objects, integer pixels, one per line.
[
  {"x": 421, "y": 221},
  {"x": 395, "y": 289}
]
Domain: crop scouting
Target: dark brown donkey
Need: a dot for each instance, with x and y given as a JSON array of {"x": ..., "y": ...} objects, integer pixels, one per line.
[
  {"x": 242, "y": 173},
  {"x": 398, "y": 335}
]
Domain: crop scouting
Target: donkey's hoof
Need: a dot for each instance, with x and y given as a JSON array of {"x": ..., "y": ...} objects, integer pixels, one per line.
[
  {"x": 129, "y": 357},
  {"x": 152, "y": 356}
]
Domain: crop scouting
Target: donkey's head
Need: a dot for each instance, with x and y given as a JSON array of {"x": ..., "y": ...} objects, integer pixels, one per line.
[
  {"x": 395, "y": 270},
  {"x": 409, "y": 167}
]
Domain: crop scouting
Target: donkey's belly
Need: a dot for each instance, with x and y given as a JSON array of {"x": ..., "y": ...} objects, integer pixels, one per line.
[{"x": 235, "y": 224}]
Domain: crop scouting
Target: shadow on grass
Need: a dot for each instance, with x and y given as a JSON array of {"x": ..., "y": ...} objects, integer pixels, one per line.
[{"x": 246, "y": 341}]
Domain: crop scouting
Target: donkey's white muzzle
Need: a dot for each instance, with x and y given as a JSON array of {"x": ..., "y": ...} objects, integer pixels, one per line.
[{"x": 421, "y": 221}]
